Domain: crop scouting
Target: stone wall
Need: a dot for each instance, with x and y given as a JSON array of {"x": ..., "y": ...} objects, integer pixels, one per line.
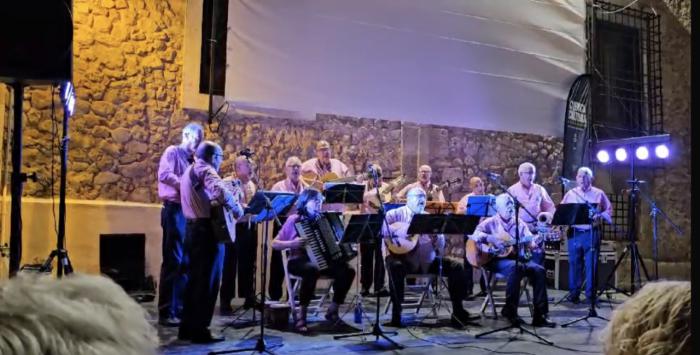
[{"x": 128, "y": 77}]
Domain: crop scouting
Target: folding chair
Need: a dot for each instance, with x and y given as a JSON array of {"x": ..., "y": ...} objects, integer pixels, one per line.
[
  {"x": 490, "y": 280},
  {"x": 292, "y": 290},
  {"x": 415, "y": 295}
]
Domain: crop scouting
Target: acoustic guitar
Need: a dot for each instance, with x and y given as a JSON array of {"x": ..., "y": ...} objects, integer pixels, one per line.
[
  {"x": 500, "y": 245},
  {"x": 384, "y": 191},
  {"x": 402, "y": 243}
]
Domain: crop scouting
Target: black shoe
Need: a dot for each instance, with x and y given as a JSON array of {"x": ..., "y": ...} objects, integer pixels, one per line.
[
  {"x": 513, "y": 318},
  {"x": 226, "y": 311},
  {"x": 481, "y": 294},
  {"x": 169, "y": 322},
  {"x": 206, "y": 338},
  {"x": 542, "y": 321},
  {"x": 573, "y": 299},
  {"x": 184, "y": 334},
  {"x": 364, "y": 292},
  {"x": 252, "y": 303},
  {"x": 395, "y": 322},
  {"x": 382, "y": 293},
  {"x": 460, "y": 319}
]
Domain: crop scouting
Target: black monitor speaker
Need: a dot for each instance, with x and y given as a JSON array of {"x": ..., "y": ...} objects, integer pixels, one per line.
[{"x": 36, "y": 41}]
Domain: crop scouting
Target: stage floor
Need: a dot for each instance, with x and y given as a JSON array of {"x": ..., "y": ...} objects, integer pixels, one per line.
[{"x": 423, "y": 334}]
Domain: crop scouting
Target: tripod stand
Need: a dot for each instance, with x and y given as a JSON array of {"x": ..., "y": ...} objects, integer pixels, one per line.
[
  {"x": 377, "y": 330},
  {"x": 631, "y": 248},
  {"x": 655, "y": 210},
  {"x": 269, "y": 212},
  {"x": 517, "y": 324},
  {"x": 63, "y": 264}
]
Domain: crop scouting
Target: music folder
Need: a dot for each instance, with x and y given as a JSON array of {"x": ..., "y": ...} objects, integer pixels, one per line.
[
  {"x": 568, "y": 214},
  {"x": 363, "y": 228},
  {"x": 438, "y": 224},
  {"x": 343, "y": 192},
  {"x": 281, "y": 202}
]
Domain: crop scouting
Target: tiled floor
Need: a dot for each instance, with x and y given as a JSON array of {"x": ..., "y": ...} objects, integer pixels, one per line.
[{"x": 423, "y": 335}]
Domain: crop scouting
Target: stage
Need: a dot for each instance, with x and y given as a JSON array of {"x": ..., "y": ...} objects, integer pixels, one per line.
[{"x": 422, "y": 335}]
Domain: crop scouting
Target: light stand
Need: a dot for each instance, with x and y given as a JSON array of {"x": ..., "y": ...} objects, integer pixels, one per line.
[
  {"x": 63, "y": 264},
  {"x": 515, "y": 325},
  {"x": 377, "y": 330},
  {"x": 655, "y": 210}
]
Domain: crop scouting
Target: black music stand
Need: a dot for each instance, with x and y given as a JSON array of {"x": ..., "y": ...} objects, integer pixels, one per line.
[
  {"x": 440, "y": 224},
  {"x": 570, "y": 214},
  {"x": 266, "y": 205},
  {"x": 343, "y": 192},
  {"x": 367, "y": 228}
]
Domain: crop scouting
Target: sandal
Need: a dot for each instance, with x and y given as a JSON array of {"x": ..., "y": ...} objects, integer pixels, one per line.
[{"x": 332, "y": 317}]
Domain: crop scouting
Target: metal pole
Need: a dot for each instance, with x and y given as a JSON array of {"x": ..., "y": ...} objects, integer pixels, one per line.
[
  {"x": 60, "y": 242},
  {"x": 16, "y": 182},
  {"x": 655, "y": 246}
]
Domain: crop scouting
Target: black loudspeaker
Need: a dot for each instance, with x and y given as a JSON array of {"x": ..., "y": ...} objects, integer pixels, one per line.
[
  {"x": 36, "y": 41},
  {"x": 123, "y": 259}
]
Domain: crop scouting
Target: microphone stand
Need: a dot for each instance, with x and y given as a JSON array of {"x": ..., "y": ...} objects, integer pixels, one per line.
[
  {"x": 592, "y": 313},
  {"x": 516, "y": 325},
  {"x": 654, "y": 212},
  {"x": 377, "y": 330}
]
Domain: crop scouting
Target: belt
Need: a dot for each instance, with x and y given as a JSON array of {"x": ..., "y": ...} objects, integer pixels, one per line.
[
  {"x": 197, "y": 220},
  {"x": 170, "y": 203}
]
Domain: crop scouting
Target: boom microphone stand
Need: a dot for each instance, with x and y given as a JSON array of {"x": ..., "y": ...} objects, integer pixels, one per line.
[
  {"x": 377, "y": 330},
  {"x": 515, "y": 325},
  {"x": 655, "y": 210}
]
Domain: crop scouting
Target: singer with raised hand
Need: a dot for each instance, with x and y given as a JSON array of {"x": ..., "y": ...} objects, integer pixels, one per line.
[
  {"x": 433, "y": 192},
  {"x": 534, "y": 202},
  {"x": 580, "y": 245}
]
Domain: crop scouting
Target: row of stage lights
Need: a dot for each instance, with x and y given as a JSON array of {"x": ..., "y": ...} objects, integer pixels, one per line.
[{"x": 641, "y": 147}]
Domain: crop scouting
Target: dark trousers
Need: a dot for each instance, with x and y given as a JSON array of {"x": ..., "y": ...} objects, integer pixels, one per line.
[
  {"x": 371, "y": 266},
  {"x": 173, "y": 269},
  {"x": 276, "y": 270},
  {"x": 342, "y": 274},
  {"x": 399, "y": 268},
  {"x": 469, "y": 278},
  {"x": 535, "y": 273},
  {"x": 580, "y": 246},
  {"x": 206, "y": 262},
  {"x": 240, "y": 258}
]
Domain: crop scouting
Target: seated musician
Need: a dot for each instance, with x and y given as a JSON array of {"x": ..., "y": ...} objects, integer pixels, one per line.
[
  {"x": 371, "y": 262},
  {"x": 309, "y": 208},
  {"x": 477, "y": 188},
  {"x": 314, "y": 170},
  {"x": 433, "y": 192},
  {"x": 499, "y": 230},
  {"x": 420, "y": 259}
]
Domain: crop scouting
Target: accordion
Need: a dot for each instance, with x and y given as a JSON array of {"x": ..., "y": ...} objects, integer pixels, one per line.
[{"x": 322, "y": 238}]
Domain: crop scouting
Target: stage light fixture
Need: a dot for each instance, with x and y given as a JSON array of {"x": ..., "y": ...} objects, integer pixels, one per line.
[
  {"x": 620, "y": 154},
  {"x": 603, "y": 156},
  {"x": 642, "y": 153},
  {"x": 661, "y": 151}
]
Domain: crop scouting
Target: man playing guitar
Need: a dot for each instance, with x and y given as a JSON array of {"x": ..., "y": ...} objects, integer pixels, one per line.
[
  {"x": 417, "y": 254},
  {"x": 433, "y": 192},
  {"x": 496, "y": 236}
]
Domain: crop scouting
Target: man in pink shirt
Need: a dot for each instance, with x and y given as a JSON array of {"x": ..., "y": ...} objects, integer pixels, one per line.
[
  {"x": 534, "y": 200},
  {"x": 433, "y": 192},
  {"x": 292, "y": 183},
  {"x": 579, "y": 243},
  {"x": 173, "y": 278},
  {"x": 201, "y": 188},
  {"x": 322, "y": 165}
]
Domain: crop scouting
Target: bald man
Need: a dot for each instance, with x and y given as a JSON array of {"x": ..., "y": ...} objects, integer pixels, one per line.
[{"x": 433, "y": 192}]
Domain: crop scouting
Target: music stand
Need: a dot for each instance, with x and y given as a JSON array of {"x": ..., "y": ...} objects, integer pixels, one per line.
[
  {"x": 343, "y": 192},
  {"x": 360, "y": 229},
  {"x": 267, "y": 205},
  {"x": 570, "y": 214},
  {"x": 440, "y": 224}
]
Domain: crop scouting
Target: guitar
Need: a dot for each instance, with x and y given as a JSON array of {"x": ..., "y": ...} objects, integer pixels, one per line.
[
  {"x": 384, "y": 191},
  {"x": 402, "y": 243},
  {"x": 223, "y": 223},
  {"x": 500, "y": 245}
]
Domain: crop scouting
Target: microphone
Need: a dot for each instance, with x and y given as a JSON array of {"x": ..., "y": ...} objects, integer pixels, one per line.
[
  {"x": 493, "y": 176},
  {"x": 246, "y": 152}
]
